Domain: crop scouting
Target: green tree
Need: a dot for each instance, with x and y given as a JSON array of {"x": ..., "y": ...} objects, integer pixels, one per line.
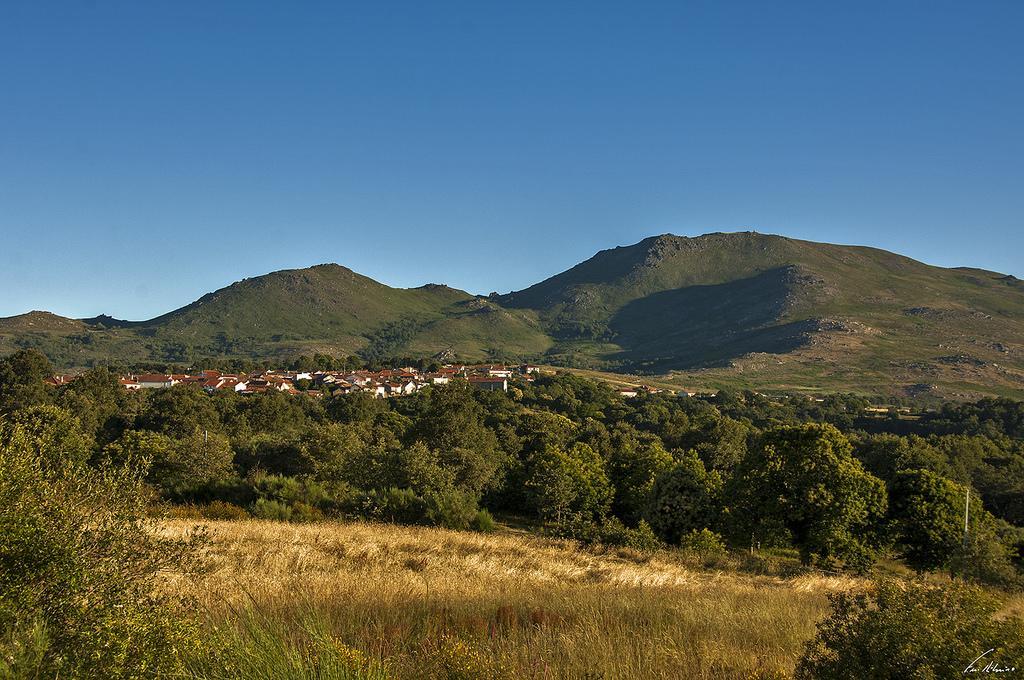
[
  {"x": 633, "y": 467},
  {"x": 885, "y": 455},
  {"x": 568, "y": 486},
  {"x": 803, "y": 484},
  {"x": 179, "y": 411},
  {"x": 21, "y": 380},
  {"x": 684, "y": 498},
  {"x": 926, "y": 518},
  {"x": 100, "y": 403},
  {"x": 175, "y": 466},
  {"x": 53, "y": 434},
  {"x": 452, "y": 423}
]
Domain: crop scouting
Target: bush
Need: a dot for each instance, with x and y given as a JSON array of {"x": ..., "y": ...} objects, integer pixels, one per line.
[
  {"x": 641, "y": 538},
  {"x": 272, "y": 510},
  {"x": 219, "y": 510},
  {"x": 78, "y": 568},
  {"x": 705, "y": 543},
  {"x": 451, "y": 509},
  {"x": 401, "y": 506},
  {"x": 304, "y": 512},
  {"x": 911, "y": 630},
  {"x": 482, "y": 522},
  {"x": 190, "y": 512}
]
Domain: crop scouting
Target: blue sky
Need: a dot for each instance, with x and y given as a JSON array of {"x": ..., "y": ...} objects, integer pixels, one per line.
[{"x": 154, "y": 151}]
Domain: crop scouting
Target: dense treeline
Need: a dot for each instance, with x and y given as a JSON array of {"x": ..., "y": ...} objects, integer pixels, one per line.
[{"x": 821, "y": 477}]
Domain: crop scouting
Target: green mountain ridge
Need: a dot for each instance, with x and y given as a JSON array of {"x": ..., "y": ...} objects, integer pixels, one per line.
[{"x": 733, "y": 309}]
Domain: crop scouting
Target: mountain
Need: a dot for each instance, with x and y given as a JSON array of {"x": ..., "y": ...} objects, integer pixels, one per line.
[
  {"x": 769, "y": 310},
  {"x": 325, "y": 308},
  {"x": 738, "y": 309}
]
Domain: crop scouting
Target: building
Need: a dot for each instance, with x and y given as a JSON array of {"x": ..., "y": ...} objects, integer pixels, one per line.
[
  {"x": 488, "y": 383},
  {"x": 156, "y": 380}
]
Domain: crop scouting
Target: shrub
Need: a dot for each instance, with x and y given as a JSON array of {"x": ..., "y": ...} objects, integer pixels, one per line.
[
  {"x": 272, "y": 510},
  {"x": 451, "y": 509},
  {"x": 640, "y": 538},
  {"x": 482, "y": 521},
  {"x": 911, "y": 630},
  {"x": 221, "y": 510},
  {"x": 401, "y": 506},
  {"x": 455, "y": 659},
  {"x": 304, "y": 512},
  {"x": 181, "y": 512},
  {"x": 705, "y": 543},
  {"x": 78, "y": 568}
]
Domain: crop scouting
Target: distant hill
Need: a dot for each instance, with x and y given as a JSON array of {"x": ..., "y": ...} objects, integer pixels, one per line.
[
  {"x": 740, "y": 309},
  {"x": 326, "y": 308}
]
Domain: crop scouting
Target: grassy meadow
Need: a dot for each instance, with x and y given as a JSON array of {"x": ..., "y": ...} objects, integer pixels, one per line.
[{"x": 375, "y": 600}]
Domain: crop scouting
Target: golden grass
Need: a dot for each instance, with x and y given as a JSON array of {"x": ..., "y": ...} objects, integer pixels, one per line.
[{"x": 508, "y": 604}]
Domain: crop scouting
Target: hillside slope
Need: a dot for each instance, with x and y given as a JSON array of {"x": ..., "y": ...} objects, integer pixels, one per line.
[
  {"x": 325, "y": 308},
  {"x": 746, "y": 302},
  {"x": 740, "y": 309}
]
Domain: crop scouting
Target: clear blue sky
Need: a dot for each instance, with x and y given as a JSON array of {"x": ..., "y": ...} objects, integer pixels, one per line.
[{"x": 153, "y": 151}]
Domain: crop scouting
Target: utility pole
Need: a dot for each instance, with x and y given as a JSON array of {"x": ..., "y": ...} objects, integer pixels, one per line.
[{"x": 967, "y": 514}]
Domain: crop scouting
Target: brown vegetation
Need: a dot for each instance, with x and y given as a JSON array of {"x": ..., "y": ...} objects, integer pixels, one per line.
[{"x": 431, "y": 602}]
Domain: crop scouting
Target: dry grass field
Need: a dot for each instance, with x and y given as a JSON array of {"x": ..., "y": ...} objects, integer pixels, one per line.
[{"x": 371, "y": 600}]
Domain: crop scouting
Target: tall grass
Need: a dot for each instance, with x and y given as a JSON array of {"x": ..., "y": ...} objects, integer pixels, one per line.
[{"x": 370, "y": 601}]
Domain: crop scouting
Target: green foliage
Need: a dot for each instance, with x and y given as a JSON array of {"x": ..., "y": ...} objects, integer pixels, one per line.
[
  {"x": 568, "y": 486},
  {"x": 803, "y": 484},
  {"x": 78, "y": 564},
  {"x": 267, "y": 508},
  {"x": 179, "y": 412},
  {"x": 53, "y": 434},
  {"x": 633, "y": 468},
  {"x": 452, "y": 509},
  {"x": 21, "y": 380},
  {"x": 101, "y": 404},
  {"x": 926, "y": 515},
  {"x": 402, "y": 506},
  {"x": 911, "y": 630},
  {"x": 684, "y": 498},
  {"x": 885, "y": 455},
  {"x": 984, "y": 557},
  {"x": 482, "y": 522},
  {"x": 613, "y": 532},
  {"x": 451, "y": 422},
  {"x": 703, "y": 542},
  {"x": 176, "y": 465}
]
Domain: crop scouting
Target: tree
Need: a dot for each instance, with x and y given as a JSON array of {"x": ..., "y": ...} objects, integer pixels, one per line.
[
  {"x": 21, "y": 380},
  {"x": 100, "y": 403},
  {"x": 175, "y": 466},
  {"x": 926, "y": 518},
  {"x": 633, "y": 467},
  {"x": 684, "y": 498},
  {"x": 885, "y": 455},
  {"x": 327, "y": 451},
  {"x": 568, "y": 486},
  {"x": 52, "y": 433},
  {"x": 452, "y": 423},
  {"x": 179, "y": 411},
  {"x": 802, "y": 484}
]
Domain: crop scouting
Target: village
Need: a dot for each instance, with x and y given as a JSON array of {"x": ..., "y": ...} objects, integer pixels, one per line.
[{"x": 395, "y": 382}]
